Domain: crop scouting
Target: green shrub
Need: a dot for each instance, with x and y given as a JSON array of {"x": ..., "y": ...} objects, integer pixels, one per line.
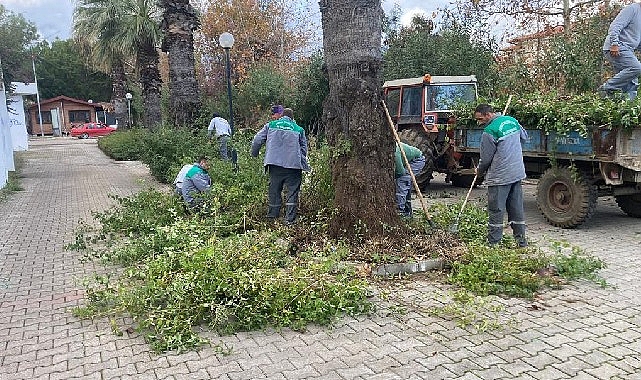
[
  {"x": 125, "y": 145},
  {"x": 165, "y": 147}
]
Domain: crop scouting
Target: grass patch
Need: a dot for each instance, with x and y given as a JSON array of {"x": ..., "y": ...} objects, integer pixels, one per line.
[{"x": 13, "y": 184}]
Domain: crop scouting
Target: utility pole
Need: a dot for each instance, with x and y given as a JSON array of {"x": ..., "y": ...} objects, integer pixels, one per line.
[{"x": 35, "y": 79}]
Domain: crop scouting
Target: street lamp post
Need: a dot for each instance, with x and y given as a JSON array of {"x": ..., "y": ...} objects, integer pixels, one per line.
[
  {"x": 129, "y": 96},
  {"x": 226, "y": 41},
  {"x": 35, "y": 80}
]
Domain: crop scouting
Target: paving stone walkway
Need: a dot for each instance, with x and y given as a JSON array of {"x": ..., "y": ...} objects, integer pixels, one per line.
[{"x": 582, "y": 331}]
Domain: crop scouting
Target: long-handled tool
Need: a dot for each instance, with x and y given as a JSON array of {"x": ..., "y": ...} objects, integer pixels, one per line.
[
  {"x": 454, "y": 227},
  {"x": 407, "y": 165}
]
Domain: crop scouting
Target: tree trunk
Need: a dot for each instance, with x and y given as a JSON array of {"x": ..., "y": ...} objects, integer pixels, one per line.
[
  {"x": 363, "y": 172},
  {"x": 567, "y": 21},
  {"x": 119, "y": 80},
  {"x": 179, "y": 23},
  {"x": 150, "y": 82}
]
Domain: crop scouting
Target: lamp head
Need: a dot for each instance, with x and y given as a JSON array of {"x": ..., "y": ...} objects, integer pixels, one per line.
[
  {"x": 128, "y": 96},
  {"x": 226, "y": 40}
]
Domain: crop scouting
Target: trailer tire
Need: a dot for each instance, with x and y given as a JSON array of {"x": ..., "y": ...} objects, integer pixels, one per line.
[
  {"x": 565, "y": 197},
  {"x": 417, "y": 139},
  {"x": 630, "y": 204}
]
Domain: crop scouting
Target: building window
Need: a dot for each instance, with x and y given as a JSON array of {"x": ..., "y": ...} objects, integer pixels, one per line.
[
  {"x": 46, "y": 117},
  {"x": 79, "y": 116}
]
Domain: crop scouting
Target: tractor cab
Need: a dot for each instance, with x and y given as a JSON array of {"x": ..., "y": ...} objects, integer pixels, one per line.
[
  {"x": 421, "y": 108},
  {"x": 427, "y": 100}
]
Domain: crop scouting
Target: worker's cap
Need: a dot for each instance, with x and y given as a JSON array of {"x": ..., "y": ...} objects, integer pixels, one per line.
[{"x": 277, "y": 109}]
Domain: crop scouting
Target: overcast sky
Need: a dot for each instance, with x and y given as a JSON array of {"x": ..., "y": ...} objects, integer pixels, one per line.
[{"x": 53, "y": 17}]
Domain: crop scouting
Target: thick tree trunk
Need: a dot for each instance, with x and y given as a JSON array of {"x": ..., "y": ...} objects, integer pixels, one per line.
[
  {"x": 119, "y": 80},
  {"x": 179, "y": 22},
  {"x": 150, "y": 82},
  {"x": 363, "y": 174}
]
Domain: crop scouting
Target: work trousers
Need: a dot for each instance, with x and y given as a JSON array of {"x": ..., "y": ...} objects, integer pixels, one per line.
[
  {"x": 222, "y": 146},
  {"x": 627, "y": 69},
  {"x": 499, "y": 200},
  {"x": 278, "y": 178}
]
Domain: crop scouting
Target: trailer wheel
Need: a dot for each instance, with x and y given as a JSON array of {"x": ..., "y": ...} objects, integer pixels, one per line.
[
  {"x": 418, "y": 139},
  {"x": 565, "y": 198},
  {"x": 630, "y": 204}
]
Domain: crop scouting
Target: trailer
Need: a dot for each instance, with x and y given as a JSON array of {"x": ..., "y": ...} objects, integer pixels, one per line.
[{"x": 574, "y": 169}]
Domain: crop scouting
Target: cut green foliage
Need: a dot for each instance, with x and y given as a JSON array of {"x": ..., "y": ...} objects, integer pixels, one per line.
[
  {"x": 239, "y": 283},
  {"x": 504, "y": 269},
  {"x": 482, "y": 313},
  {"x": 218, "y": 268},
  {"x": 227, "y": 269},
  {"x": 498, "y": 270},
  {"x": 141, "y": 213},
  {"x": 571, "y": 262},
  {"x": 564, "y": 114},
  {"x": 472, "y": 225}
]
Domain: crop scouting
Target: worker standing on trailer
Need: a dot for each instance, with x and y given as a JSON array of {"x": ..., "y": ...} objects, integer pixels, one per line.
[
  {"x": 624, "y": 37},
  {"x": 502, "y": 163}
]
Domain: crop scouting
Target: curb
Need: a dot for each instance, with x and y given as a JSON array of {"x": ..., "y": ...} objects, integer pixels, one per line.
[{"x": 408, "y": 268}]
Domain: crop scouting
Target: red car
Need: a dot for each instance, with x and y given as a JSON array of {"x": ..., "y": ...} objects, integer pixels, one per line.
[{"x": 87, "y": 130}]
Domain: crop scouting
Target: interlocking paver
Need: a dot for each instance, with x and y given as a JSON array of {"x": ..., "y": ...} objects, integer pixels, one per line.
[{"x": 581, "y": 331}]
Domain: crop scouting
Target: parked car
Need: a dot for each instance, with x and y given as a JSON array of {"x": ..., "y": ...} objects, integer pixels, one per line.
[{"x": 87, "y": 130}]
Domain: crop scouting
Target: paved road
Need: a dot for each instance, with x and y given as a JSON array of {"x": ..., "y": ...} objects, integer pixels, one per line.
[{"x": 580, "y": 332}]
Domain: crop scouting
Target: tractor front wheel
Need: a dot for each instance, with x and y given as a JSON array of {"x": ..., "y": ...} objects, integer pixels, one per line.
[{"x": 630, "y": 204}]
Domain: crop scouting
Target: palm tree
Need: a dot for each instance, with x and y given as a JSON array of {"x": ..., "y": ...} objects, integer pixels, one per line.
[
  {"x": 129, "y": 27},
  {"x": 179, "y": 22},
  {"x": 102, "y": 49},
  {"x": 351, "y": 42}
]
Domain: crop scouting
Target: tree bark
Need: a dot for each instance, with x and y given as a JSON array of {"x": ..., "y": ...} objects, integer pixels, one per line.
[
  {"x": 150, "y": 82},
  {"x": 363, "y": 172},
  {"x": 119, "y": 80},
  {"x": 179, "y": 22}
]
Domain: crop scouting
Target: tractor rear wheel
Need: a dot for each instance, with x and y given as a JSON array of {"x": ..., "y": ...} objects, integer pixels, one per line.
[
  {"x": 464, "y": 180},
  {"x": 418, "y": 139},
  {"x": 565, "y": 197},
  {"x": 630, "y": 204}
]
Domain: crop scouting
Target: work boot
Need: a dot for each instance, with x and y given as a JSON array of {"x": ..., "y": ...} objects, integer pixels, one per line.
[
  {"x": 603, "y": 93},
  {"x": 273, "y": 212},
  {"x": 521, "y": 241}
]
